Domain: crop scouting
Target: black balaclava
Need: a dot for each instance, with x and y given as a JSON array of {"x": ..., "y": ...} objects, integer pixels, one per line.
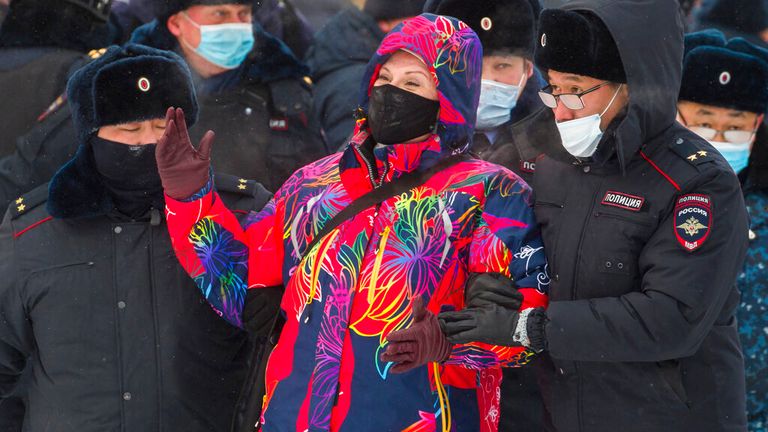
[{"x": 130, "y": 175}]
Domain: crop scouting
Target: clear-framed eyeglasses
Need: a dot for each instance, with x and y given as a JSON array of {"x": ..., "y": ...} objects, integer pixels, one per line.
[
  {"x": 731, "y": 136},
  {"x": 570, "y": 100}
]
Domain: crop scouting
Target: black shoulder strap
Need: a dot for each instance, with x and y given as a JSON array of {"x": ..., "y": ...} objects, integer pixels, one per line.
[{"x": 402, "y": 184}]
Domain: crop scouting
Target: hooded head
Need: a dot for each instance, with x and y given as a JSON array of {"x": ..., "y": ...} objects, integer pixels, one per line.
[
  {"x": 648, "y": 41},
  {"x": 453, "y": 55},
  {"x": 127, "y": 84}
]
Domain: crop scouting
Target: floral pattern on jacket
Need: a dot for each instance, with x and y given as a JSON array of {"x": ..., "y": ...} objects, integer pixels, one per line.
[{"x": 354, "y": 287}]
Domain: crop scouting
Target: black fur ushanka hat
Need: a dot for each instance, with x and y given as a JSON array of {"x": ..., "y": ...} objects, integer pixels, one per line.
[
  {"x": 502, "y": 25},
  {"x": 127, "y": 84},
  {"x": 724, "y": 73},
  {"x": 578, "y": 42}
]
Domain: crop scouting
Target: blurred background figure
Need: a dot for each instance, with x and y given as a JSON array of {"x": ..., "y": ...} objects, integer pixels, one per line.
[
  {"x": 339, "y": 55},
  {"x": 735, "y": 18},
  {"x": 41, "y": 43},
  {"x": 129, "y": 14},
  {"x": 723, "y": 99},
  {"x": 319, "y": 12},
  {"x": 278, "y": 17},
  {"x": 285, "y": 21}
]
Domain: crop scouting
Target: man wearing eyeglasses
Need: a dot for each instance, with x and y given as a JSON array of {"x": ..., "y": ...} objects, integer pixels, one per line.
[
  {"x": 644, "y": 228},
  {"x": 723, "y": 99}
]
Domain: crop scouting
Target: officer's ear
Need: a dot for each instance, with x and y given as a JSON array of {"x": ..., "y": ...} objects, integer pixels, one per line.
[
  {"x": 174, "y": 25},
  {"x": 529, "y": 68}
]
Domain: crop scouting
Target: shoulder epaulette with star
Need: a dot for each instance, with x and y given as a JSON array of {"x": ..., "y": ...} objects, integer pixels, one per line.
[
  {"x": 28, "y": 201},
  {"x": 232, "y": 184},
  {"x": 691, "y": 151}
]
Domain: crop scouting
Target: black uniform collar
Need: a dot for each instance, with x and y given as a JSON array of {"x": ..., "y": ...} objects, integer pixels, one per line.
[{"x": 756, "y": 174}]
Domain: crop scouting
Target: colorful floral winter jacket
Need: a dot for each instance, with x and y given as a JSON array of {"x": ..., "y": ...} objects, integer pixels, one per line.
[{"x": 343, "y": 297}]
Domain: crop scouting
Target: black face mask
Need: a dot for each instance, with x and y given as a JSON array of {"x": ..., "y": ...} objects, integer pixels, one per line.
[
  {"x": 396, "y": 116},
  {"x": 129, "y": 173}
]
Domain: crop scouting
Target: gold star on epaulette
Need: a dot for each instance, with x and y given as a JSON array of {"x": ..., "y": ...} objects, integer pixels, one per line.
[
  {"x": 94, "y": 54},
  {"x": 243, "y": 181},
  {"x": 242, "y": 187},
  {"x": 692, "y": 157},
  {"x": 20, "y": 200},
  {"x": 308, "y": 80},
  {"x": 702, "y": 153},
  {"x": 21, "y": 208}
]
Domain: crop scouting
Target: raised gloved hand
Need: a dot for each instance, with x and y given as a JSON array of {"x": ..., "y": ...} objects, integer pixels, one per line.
[
  {"x": 484, "y": 289},
  {"x": 421, "y": 343},
  {"x": 496, "y": 325},
  {"x": 261, "y": 308},
  {"x": 183, "y": 169}
]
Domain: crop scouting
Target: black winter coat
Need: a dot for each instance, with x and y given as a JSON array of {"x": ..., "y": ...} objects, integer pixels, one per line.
[
  {"x": 644, "y": 243},
  {"x": 30, "y": 80},
  {"x": 337, "y": 60},
  {"x": 117, "y": 336}
]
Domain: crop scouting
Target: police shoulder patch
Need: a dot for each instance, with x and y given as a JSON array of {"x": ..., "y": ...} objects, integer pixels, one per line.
[{"x": 693, "y": 220}]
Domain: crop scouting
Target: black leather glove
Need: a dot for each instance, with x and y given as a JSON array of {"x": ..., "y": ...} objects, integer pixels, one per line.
[
  {"x": 485, "y": 289},
  {"x": 261, "y": 308},
  {"x": 496, "y": 325}
]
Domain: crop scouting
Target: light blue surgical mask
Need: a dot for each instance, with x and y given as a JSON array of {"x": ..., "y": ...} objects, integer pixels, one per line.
[
  {"x": 497, "y": 100},
  {"x": 225, "y": 45},
  {"x": 737, "y": 155}
]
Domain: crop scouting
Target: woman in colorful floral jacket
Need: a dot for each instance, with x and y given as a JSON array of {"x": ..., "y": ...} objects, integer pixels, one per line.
[{"x": 353, "y": 288}]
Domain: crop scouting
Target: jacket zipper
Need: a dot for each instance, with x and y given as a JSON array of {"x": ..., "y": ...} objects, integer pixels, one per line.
[{"x": 370, "y": 170}]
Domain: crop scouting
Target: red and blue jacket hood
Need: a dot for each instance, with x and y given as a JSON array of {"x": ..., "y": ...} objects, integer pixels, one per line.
[{"x": 453, "y": 54}]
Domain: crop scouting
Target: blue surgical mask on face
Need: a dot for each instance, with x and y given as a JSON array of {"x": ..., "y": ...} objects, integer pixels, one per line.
[
  {"x": 497, "y": 101},
  {"x": 225, "y": 45},
  {"x": 737, "y": 155}
]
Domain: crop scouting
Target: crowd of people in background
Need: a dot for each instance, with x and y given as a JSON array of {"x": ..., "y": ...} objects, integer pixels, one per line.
[{"x": 416, "y": 215}]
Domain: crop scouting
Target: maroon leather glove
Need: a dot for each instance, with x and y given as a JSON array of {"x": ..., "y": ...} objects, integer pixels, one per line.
[
  {"x": 421, "y": 343},
  {"x": 183, "y": 170}
]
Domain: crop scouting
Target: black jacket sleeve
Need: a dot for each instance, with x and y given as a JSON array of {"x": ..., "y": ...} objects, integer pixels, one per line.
[
  {"x": 39, "y": 154},
  {"x": 16, "y": 339},
  {"x": 681, "y": 296}
]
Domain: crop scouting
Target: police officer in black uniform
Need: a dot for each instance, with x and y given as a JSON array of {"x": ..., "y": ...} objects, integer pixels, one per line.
[
  {"x": 42, "y": 42},
  {"x": 258, "y": 99},
  {"x": 510, "y": 108},
  {"x": 645, "y": 230},
  {"x": 93, "y": 301}
]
